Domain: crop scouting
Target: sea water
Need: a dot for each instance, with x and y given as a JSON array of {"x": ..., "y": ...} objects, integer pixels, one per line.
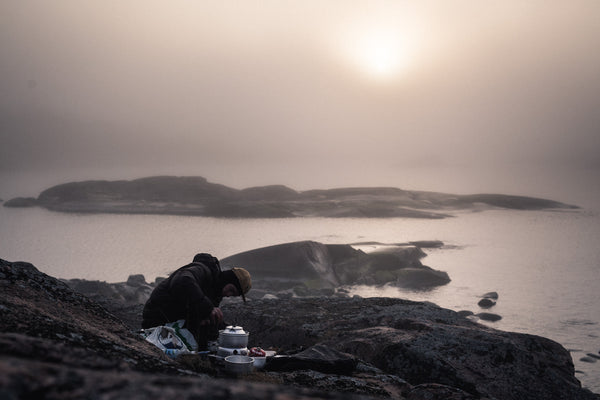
[{"x": 544, "y": 265}]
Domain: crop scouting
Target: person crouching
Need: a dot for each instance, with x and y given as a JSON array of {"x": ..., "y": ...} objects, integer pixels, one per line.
[{"x": 194, "y": 293}]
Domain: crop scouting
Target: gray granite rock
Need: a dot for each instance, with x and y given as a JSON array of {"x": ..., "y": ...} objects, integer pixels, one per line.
[
  {"x": 419, "y": 342},
  {"x": 21, "y": 202},
  {"x": 490, "y": 295},
  {"x": 317, "y": 266},
  {"x": 489, "y": 316},
  {"x": 58, "y": 342},
  {"x": 486, "y": 303}
]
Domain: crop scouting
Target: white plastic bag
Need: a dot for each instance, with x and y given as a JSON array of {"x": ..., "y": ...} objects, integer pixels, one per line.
[
  {"x": 185, "y": 335},
  {"x": 172, "y": 338}
]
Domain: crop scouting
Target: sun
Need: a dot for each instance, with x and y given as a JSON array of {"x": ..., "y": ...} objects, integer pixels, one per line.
[
  {"x": 377, "y": 53},
  {"x": 380, "y": 56}
]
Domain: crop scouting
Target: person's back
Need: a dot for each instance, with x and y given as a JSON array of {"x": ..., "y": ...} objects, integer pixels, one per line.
[{"x": 190, "y": 293}]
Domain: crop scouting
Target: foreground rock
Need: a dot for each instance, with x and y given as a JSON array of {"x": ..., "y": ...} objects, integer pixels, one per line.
[
  {"x": 57, "y": 343},
  {"x": 419, "y": 342},
  {"x": 197, "y": 196}
]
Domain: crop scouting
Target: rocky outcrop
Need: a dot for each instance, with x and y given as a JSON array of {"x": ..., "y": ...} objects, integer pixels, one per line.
[
  {"x": 124, "y": 298},
  {"x": 418, "y": 342},
  {"x": 316, "y": 265},
  {"x": 298, "y": 269},
  {"x": 57, "y": 343},
  {"x": 197, "y": 196}
]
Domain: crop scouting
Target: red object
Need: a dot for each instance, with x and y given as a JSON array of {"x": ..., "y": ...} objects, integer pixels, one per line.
[{"x": 257, "y": 352}]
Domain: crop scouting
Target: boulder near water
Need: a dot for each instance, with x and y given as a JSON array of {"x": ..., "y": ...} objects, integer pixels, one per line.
[
  {"x": 318, "y": 265},
  {"x": 490, "y": 295},
  {"x": 488, "y": 316},
  {"x": 486, "y": 303}
]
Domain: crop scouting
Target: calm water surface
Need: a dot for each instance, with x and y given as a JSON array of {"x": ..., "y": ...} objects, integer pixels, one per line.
[{"x": 544, "y": 265}]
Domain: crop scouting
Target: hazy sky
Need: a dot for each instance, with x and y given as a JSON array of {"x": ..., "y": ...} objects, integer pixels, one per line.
[{"x": 305, "y": 93}]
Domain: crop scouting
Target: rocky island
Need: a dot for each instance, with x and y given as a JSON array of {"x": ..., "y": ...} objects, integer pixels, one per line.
[
  {"x": 197, "y": 196},
  {"x": 67, "y": 340}
]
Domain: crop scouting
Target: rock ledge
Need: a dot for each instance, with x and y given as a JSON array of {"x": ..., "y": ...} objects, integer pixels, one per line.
[{"x": 57, "y": 343}]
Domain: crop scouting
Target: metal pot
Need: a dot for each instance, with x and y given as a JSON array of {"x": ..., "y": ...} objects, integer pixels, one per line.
[
  {"x": 239, "y": 364},
  {"x": 259, "y": 362},
  {"x": 233, "y": 337}
]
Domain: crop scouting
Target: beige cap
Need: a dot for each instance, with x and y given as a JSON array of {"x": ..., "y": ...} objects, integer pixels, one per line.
[{"x": 244, "y": 279}]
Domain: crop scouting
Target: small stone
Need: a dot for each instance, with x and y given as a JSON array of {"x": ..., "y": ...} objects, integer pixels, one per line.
[
  {"x": 491, "y": 295},
  {"x": 588, "y": 359},
  {"x": 486, "y": 303},
  {"x": 489, "y": 317}
]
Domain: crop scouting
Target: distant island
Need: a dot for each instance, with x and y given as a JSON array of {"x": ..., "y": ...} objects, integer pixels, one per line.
[{"x": 196, "y": 196}]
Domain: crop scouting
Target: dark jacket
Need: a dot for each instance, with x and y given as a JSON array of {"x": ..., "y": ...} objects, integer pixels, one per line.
[{"x": 189, "y": 293}]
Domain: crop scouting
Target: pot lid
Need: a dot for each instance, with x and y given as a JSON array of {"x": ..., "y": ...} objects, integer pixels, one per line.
[{"x": 234, "y": 330}]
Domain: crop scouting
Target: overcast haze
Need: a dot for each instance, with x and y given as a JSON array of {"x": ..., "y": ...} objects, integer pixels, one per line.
[{"x": 462, "y": 96}]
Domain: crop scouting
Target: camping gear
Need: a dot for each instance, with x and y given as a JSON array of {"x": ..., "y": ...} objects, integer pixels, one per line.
[
  {"x": 259, "y": 355},
  {"x": 233, "y": 337},
  {"x": 259, "y": 362},
  {"x": 233, "y": 340},
  {"x": 319, "y": 358},
  {"x": 257, "y": 352},
  {"x": 239, "y": 364},
  {"x": 233, "y": 352},
  {"x": 226, "y": 351},
  {"x": 172, "y": 338}
]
